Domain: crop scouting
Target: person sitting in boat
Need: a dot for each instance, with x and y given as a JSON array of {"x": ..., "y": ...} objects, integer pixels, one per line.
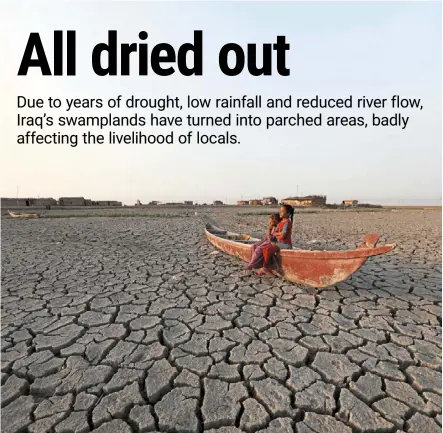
[
  {"x": 257, "y": 249},
  {"x": 274, "y": 219},
  {"x": 282, "y": 241}
]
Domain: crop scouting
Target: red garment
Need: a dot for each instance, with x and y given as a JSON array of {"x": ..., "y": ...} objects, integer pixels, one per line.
[
  {"x": 285, "y": 227},
  {"x": 268, "y": 253}
]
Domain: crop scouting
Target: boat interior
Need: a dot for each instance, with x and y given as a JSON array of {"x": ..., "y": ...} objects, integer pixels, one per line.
[{"x": 224, "y": 234}]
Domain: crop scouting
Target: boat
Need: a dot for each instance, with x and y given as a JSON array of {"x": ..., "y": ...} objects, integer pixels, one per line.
[
  {"x": 317, "y": 269},
  {"x": 23, "y": 215}
]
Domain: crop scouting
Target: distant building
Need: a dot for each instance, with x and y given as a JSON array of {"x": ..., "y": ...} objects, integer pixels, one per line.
[
  {"x": 48, "y": 202},
  {"x": 255, "y": 202},
  {"x": 218, "y": 203},
  {"x": 13, "y": 202},
  {"x": 350, "y": 203},
  {"x": 45, "y": 202},
  {"x": 71, "y": 201},
  {"x": 242, "y": 203},
  {"x": 269, "y": 201},
  {"x": 28, "y": 202},
  {"x": 108, "y": 203},
  {"x": 152, "y": 203},
  {"x": 189, "y": 202},
  {"x": 308, "y": 201}
]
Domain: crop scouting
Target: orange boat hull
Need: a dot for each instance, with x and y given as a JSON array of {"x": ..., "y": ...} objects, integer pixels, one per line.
[{"x": 311, "y": 268}]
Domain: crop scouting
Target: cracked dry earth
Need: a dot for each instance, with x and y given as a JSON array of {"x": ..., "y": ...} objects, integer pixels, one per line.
[{"x": 136, "y": 325}]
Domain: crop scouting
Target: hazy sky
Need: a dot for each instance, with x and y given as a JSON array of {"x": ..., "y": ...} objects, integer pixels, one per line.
[{"x": 373, "y": 49}]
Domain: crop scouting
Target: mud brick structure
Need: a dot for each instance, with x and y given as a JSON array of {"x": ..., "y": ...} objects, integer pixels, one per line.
[
  {"x": 350, "y": 203},
  {"x": 269, "y": 201},
  {"x": 307, "y": 201},
  {"x": 13, "y": 202},
  {"x": 109, "y": 203},
  {"x": 255, "y": 202},
  {"x": 27, "y": 202},
  {"x": 72, "y": 201}
]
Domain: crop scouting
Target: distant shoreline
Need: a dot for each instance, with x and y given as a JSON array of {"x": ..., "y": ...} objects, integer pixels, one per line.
[
  {"x": 249, "y": 207},
  {"x": 174, "y": 211},
  {"x": 425, "y": 207}
]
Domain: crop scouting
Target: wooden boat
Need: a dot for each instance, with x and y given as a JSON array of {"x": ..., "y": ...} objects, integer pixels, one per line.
[
  {"x": 311, "y": 268},
  {"x": 23, "y": 215}
]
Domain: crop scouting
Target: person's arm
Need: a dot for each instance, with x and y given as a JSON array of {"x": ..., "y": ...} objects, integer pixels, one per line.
[
  {"x": 281, "y": 235},
  {"x": 271, "y": 229}
]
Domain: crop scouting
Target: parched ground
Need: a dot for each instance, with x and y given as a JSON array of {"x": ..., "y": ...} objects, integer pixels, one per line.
[{"x": 137, "y": 324}]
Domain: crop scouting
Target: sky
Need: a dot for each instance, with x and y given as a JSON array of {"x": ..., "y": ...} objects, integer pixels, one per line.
[{"x": 337, "y": 49}]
